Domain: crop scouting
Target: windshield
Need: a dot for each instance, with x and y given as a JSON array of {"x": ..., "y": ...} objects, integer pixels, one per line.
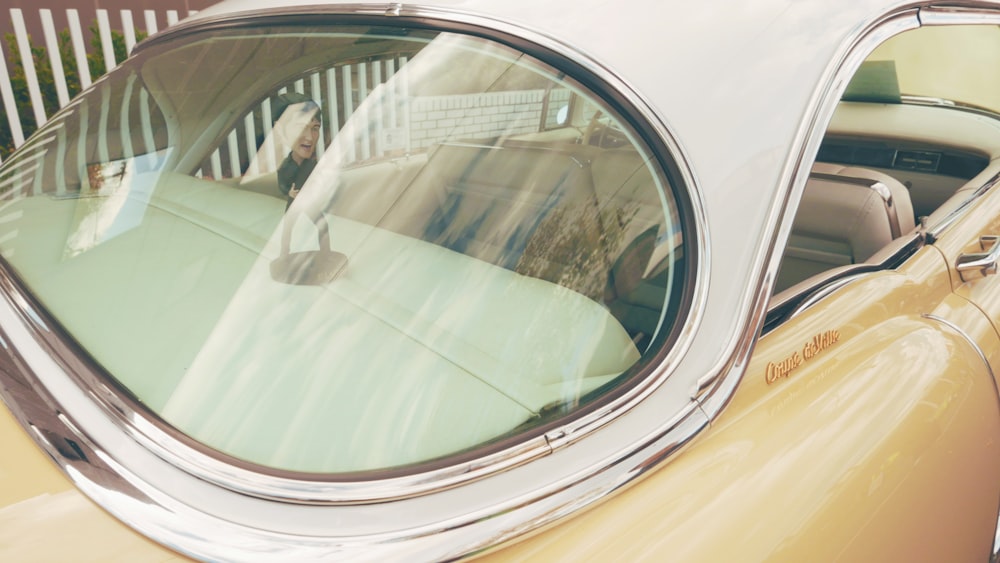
[
  {"x": 341, "y": 249},
  {"x": 922, "y": 63}
]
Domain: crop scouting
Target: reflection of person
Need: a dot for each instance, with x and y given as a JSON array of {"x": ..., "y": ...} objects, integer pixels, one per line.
[{"x": 296, "y": 125}]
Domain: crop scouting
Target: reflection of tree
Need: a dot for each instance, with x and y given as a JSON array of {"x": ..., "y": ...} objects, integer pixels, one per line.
[
  {"x": 46, "y": 79},
  {"x": 95, "y": 178},
  {"x": 575, "y": 247}
]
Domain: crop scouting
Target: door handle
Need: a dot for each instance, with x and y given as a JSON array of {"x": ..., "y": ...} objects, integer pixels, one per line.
[{"x": 985, "y": 263}]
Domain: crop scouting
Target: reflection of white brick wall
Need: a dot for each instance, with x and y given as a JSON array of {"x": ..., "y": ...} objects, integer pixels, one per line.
[{"x": 435, "y": 118}]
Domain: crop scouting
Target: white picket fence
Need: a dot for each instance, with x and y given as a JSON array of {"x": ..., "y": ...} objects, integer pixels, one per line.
[{"x": 151, "y": 20}]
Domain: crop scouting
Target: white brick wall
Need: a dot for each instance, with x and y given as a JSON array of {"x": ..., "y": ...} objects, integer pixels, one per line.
[{"x": 435, "y": 118}]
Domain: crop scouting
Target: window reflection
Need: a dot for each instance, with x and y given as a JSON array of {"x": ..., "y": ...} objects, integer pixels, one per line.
[{"x": 347, "y": 249}]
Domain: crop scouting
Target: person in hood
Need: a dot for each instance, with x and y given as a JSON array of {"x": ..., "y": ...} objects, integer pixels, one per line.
[{"x": 296, "y": 125}]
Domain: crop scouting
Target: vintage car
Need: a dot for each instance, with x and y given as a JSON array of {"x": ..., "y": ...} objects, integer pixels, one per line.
[{"x": 685, "y": 281}]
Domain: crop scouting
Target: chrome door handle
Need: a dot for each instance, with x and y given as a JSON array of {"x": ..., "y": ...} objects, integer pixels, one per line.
[{"x": 985, "y": 263}]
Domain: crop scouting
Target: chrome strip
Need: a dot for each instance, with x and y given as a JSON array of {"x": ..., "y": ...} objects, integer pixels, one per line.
[
  {"x": 949, "y": 104},
  {"x": 959, "y": 13},
  {"x": 206, "y": 536},
  {"x": 823, "y": 292},
  {"x": 972, "y": 342},
  {"x": 87, "y": 412}
]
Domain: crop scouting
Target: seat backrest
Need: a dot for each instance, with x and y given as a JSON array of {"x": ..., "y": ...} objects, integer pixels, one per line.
[
  {"x": 898, "y": 203},
  {"x": 846, "y": 215}
]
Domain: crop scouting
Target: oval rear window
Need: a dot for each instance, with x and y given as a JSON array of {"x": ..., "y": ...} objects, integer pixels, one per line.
[{"x": 336, "y": 249}]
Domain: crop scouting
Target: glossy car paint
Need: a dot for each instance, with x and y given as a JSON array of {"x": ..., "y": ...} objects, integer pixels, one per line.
[
  {"x": 43, "y": 517},
  {"x": 789, "y": 469},
  {"x": 800, "y": 469}
]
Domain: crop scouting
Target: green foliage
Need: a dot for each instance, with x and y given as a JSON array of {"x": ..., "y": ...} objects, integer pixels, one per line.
[{"x": 46, "y": 78}]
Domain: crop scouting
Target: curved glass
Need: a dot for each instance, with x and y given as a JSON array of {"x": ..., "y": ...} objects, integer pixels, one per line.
[
  {"x": 937, "y": 62},
  {"x": 341, "y": 249}
]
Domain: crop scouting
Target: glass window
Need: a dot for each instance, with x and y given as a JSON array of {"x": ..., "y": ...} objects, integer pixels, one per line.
[
  {"x": 341, "y": 249},
  {"x": 913, "y": 138}
]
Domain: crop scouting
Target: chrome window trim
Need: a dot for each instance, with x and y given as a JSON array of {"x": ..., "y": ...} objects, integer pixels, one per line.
[
  {"x": 823, "y": 293},
  {"x": 948, "y": 104},
  {"x": 160, "y": 438},
  {"x": 934, "y": 231},
  {"x": 60, "y": 396}
]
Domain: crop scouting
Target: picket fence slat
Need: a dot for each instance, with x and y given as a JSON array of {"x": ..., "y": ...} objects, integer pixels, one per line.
[
  {"x": 107, "y": 46},
  {"x": 150, "y": 16},
  {"x": 28, "y": 63},
  {"x": 55, "y": 58},
  {"x": 128, "y": 30},
  {"x": 7, "y": 94},
  {"x": 79, "y": 47}
]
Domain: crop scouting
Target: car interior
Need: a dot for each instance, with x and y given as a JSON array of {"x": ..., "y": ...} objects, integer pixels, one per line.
[{"x": 891, "y": 160}]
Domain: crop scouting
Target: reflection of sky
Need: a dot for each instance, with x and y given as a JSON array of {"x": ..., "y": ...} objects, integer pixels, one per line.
[{"x": 117, "y": 204}]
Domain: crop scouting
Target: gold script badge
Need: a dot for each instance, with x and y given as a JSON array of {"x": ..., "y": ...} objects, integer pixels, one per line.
[{"x": 810, "y": 350}]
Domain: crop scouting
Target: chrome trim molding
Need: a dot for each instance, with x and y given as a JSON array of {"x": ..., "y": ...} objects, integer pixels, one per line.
[
  {"x": 972, "y": 342},
  {"x": 207, "y": 508},
  {"x": 823, "y": 293},
  {"x": 960, "y": 13}
]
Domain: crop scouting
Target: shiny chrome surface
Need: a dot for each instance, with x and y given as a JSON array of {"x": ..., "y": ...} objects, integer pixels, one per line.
[
  {"x": 972, "y": 342},
  {"x": 984, "y": 263},
  {"x": 958, "y": 13},
  {"x": 827, "y": 290}
]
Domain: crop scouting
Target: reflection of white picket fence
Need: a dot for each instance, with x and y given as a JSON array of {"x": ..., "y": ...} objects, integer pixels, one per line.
[
  {"x": 151, "y": 20},
  {"x": 399, "y": 124}
]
